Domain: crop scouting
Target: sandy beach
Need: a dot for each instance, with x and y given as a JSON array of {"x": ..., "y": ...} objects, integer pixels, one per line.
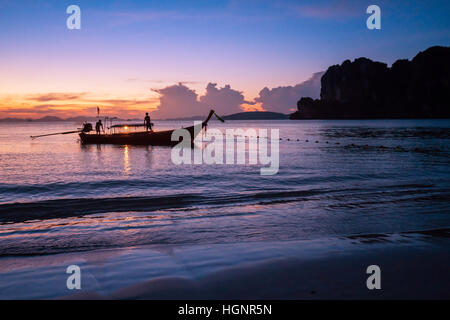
[{"x": 413, "y": 266}]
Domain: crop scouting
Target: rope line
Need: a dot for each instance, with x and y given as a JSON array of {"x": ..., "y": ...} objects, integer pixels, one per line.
[{"x": 347, "y": 146}]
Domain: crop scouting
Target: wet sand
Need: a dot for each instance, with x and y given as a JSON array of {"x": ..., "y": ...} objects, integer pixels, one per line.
[{"x": 413, "y": 266}]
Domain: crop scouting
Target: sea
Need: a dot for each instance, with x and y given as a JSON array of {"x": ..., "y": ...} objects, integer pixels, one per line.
[{"x": 336, "y": 179}]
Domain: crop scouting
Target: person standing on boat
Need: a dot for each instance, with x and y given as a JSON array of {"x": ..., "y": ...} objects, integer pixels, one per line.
[
  {"x": 147, "y": 122},
  {"x": 98, "y": 125}
]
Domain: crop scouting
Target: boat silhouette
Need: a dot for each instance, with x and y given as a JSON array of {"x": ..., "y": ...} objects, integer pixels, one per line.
[{"x": 150, "y": 137}]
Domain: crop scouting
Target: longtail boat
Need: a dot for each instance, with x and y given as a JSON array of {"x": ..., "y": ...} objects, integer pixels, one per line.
[{"x": 156, "y": 138}]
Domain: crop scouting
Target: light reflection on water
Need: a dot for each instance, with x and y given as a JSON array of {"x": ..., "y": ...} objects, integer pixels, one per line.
[{"x": 126, "y": 160}]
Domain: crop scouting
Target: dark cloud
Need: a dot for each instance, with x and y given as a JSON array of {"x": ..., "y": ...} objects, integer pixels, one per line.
[{"x": 284, "y": 99}]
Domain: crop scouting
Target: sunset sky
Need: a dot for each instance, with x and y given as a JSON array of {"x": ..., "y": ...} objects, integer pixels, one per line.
[{"x": 184, "y": 56}]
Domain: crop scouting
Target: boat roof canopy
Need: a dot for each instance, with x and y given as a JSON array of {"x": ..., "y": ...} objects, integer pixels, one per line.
[{"x": 128, "y": 125}]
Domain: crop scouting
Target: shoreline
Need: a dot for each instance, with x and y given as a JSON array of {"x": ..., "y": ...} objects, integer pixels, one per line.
[{"x": 413, "y": 266}]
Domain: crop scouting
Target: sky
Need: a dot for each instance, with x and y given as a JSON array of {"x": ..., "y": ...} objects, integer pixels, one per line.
[{"x": 179, "y": 58}]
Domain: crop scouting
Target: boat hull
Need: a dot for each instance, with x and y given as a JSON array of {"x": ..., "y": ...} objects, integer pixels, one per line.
[{"x": 155, "y": 138}]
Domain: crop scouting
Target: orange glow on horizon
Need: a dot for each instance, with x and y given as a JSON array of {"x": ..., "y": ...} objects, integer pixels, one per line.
[
  {"x": 252, "y": 107},
  {"x": 67, "y": 105}
]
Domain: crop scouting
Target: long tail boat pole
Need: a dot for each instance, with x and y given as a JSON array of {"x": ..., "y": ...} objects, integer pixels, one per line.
[
  {"x": 53, "y": 134},
  {"x": 218, "y": 118},
  {"x": 211, "y": 113}
]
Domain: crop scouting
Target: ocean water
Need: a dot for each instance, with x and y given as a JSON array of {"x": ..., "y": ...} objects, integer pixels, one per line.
[{"x": 336, "y": 179}]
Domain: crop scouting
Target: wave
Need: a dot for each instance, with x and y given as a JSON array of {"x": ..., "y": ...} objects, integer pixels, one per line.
[
  {"x": 60, "y": 187},
  {"x": 71, "y": 207},
  {"x": 61, "y": 208}
]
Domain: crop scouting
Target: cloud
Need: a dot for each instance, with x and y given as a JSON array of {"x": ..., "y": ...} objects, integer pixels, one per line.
[
  {"x": 180, "y": 101},
  {"x": 55, "y": 96},
  {"x": 331, "y": 9},
  {"x": 37, "y": 111},
  {"x": 58, "y": 98},
  {"x": 284, "y": 99},
  {"x": 123, "y": 102},
  {"x": 177, "y": 101},
  {"x": 224, "y": 100},
  {"x": 230, "y": 15},
  {"x": 159, "y": 81}
]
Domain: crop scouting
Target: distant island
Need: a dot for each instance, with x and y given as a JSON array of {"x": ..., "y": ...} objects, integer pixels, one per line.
[
  {"x": 257, "y": 115},
  {"x": 365, "y": 89}
]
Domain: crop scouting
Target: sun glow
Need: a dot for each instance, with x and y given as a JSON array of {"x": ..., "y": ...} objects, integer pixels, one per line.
[{"x": 252, "y": 107}]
